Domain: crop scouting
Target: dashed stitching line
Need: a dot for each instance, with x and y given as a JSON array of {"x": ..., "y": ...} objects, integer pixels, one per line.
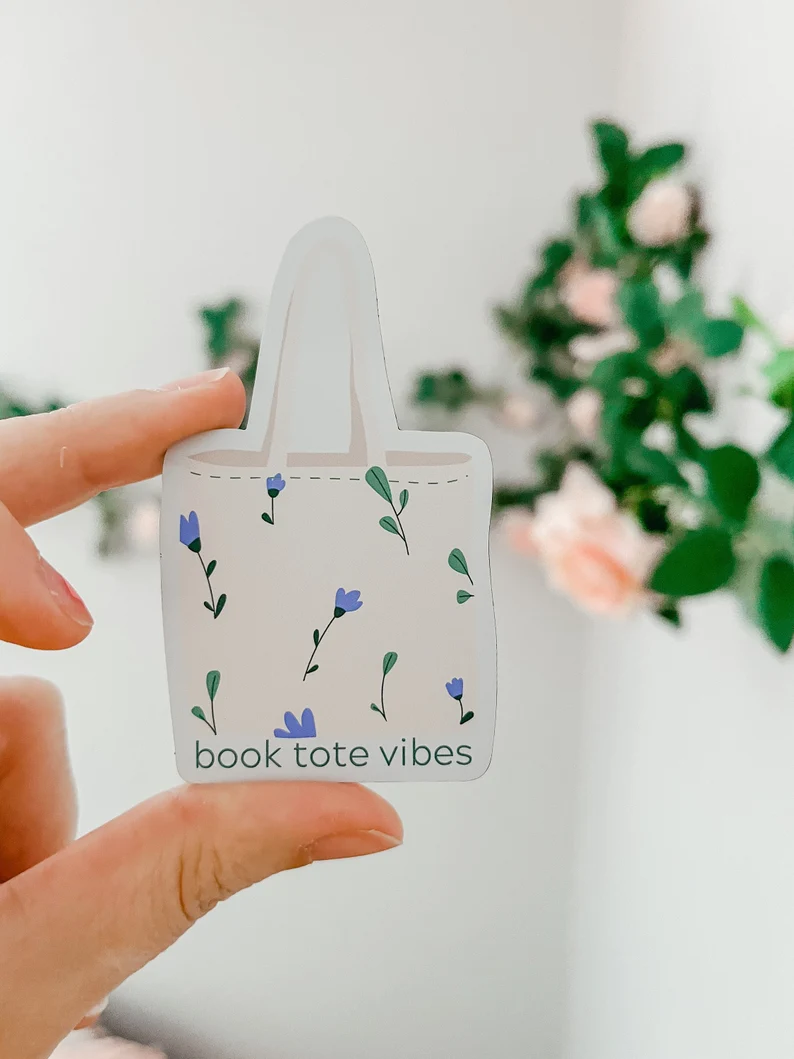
[{"x": 319, "y": 478}]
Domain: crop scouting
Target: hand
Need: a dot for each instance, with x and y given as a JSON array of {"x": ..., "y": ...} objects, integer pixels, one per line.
[{"x": 76, "y": 918}]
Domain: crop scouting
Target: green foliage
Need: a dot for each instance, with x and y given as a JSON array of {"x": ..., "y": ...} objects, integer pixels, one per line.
[
  {"x": 733, "y": 479},
  {"x": 701, "y": 561},
  {"x": 776, "y": 601},
  {"x": 650, "y": 356}
]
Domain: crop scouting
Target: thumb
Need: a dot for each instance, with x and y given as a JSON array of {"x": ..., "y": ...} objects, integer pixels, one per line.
[{"x": 76, "y": 925}]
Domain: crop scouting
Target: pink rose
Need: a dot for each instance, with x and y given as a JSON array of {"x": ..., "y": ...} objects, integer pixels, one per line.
[
  {"x": 661, "y": 214},
  {"x": 593, "y": 551},
  {"x": 584, "y": 412},
  {"x": 589, "y": 295}
]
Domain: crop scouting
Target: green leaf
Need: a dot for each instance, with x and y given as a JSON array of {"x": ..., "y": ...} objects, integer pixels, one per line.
[
  {"x": 780, "y": 373},
  {"x": 389, "y": 660},
  {"x": 640, "y": 304},
  {"x": 374, "y": 707},
  {"x": 211, "y": 567},
  {"x": 316, "y": 636},
  {"x": 209, "y": 606},
  {"x": 457, "y": 560},
  {"x": 388, "y": 523},
  {"x": 686, "y": 392},
  {"x": 776, "y": 601},
  {"x": 213, "y": 683},
  {"x": 463, "y": 595},
  {"x": 781, "y": 452},
  {"x": 702, "y": 561},
  {"x": 467, "y": 716},
  {"x": 198, "y": 712},
  {"x": 376, "y": 478},
  {"x": 687, "y": 316},
  {"x": 609, "y": 248},
  {"x": 721, "y": 337},
  {"x": 733, "y": 480},
  {"x": 313, "y": 669},
  {"x": 556, "y": 254},
  {"x": 267, "y": 518},
  {"x": 612, "y": 145},
  {"x": 654, "y": 465},
  {"x": 744, "y": 315},
  {"x": 221, "y": 604},
  {"x": 653, "y": 163},
  {"x": 403, "y": 500}
]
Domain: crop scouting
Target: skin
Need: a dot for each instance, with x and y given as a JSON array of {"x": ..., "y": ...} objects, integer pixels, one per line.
[{"x": 78, "y": 917}]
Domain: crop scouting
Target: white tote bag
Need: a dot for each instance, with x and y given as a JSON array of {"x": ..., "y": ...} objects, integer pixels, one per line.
[{"x": 328, "y": 613}]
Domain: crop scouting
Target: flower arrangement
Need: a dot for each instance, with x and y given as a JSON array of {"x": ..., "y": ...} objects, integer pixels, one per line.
[{"x": 628, "y": 507}]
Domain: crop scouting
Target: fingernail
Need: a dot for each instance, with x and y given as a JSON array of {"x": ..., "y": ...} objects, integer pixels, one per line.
[
  {"x": 90, "y": 1018},
  {"x": 204, "y": 378},
  {"x": 64, "y": 595},
  {"x": 351, "y": 844}
]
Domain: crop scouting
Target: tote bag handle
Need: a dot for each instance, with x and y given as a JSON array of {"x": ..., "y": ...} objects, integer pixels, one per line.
[{"x": 324, "y": 293}]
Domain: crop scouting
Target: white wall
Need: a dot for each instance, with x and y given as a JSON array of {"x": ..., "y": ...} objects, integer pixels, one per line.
[
  {"x": 155, "y": 154},
  {"x": 683, "y": 929}
]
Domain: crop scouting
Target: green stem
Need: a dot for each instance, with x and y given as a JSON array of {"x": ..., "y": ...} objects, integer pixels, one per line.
[
  {"x": 402, "y": 531},
  {"x": 314, "y": 652},
  {"x": 273, "y": 509},
  {"x": 209, "y": 583},
  {"x": 382, "y": 703}
]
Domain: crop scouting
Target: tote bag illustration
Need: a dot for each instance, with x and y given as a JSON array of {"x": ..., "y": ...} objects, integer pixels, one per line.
[{"x": 328, "y": 613}]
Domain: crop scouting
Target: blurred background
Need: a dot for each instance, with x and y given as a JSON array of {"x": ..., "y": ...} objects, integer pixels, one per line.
[{"x": 619, "y": 884}]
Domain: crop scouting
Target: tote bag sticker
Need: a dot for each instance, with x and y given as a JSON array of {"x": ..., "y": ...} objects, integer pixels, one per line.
[{"x": 328, "y": 613}]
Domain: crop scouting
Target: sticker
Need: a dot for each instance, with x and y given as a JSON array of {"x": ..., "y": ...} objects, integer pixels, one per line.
[{"x": 326, "y": 586}]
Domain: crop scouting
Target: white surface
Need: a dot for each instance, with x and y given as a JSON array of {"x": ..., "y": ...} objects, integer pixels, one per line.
[
  {"x": 683, "y": 930},
  {"x": 156, "y": 154}
]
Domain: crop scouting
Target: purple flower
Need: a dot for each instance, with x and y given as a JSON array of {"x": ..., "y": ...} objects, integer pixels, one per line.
[
  {"x": 305, "y": 728},
  {"x": 346, "y": 602},
  {"x": 274, "y": 485},
  {"x": 189, "y": 531},
  {"x": 455, "y": 688}
]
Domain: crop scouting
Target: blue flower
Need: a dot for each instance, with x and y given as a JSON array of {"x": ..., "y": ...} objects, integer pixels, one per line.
[
  {"x": 455, "y": 688},
  {"x": 305, "y": 728},
  {"x": 274, "y": 485},
  {"x": 346, "y": 602},
  {"x": 189, "y": 534}
]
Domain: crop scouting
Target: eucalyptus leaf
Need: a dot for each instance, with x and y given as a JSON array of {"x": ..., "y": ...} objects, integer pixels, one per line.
[
  {"x": 776, "y": 601},
  {"x": 198, "y": 712},
  {"x": 457, "y": 560},
  {"x": 389, "y": 660},
  {"x": 267, "y": 518},
  {"x": 377, "y": 480},
  {"x": 781, "y": 452},
  {"x": 701, "y": 561},
  {"x": 733, "y": 479},
  {"x": 721, "y": 337},
  {"x": 612, "y": 145},
  {"x": 403, "y": 500},
  {"x": 639, "y": 301},
  {"x": 213, "y": 683},
  {"x": 388, "y": 523},
  {"x": 463, "y": 595}
]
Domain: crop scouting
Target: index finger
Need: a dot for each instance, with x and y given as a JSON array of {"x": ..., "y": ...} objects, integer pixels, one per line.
[{"x": 52, "y": 462}]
